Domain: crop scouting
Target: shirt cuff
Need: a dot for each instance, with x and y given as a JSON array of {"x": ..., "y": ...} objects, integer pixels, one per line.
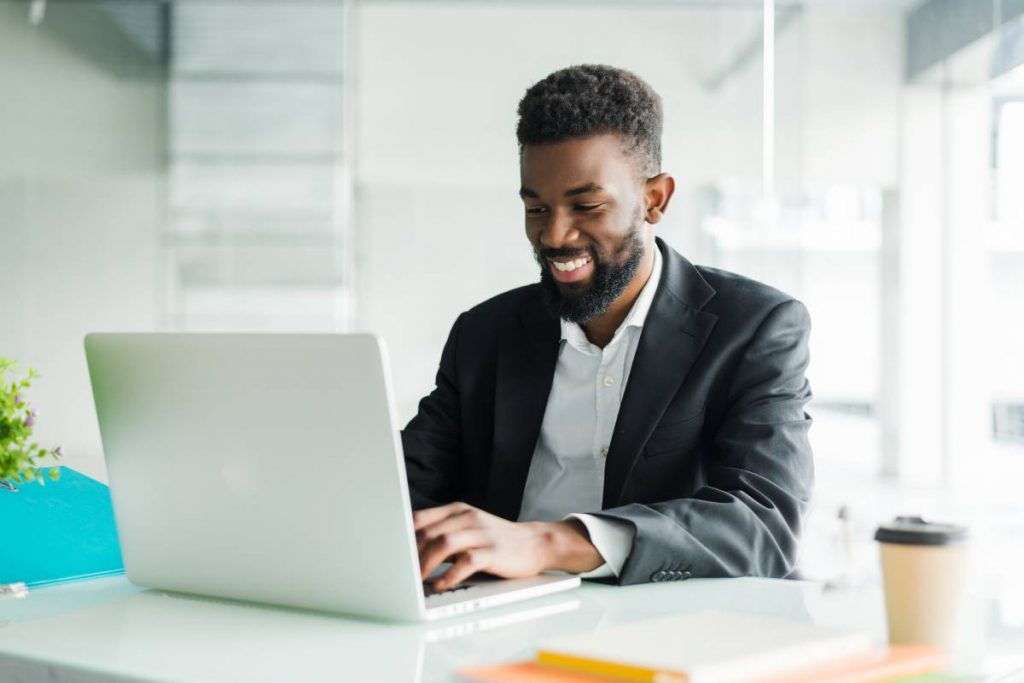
[{"x": 613, "y": 539}]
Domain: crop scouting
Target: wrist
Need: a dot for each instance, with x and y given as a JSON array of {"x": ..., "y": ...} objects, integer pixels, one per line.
[{"x": 566, "y": 547}]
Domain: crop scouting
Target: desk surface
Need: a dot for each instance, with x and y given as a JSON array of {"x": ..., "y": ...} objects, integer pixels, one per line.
[{"x": 108, "y": 629}]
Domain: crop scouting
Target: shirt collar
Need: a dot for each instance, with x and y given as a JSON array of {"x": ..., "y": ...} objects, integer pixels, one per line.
[{"x": 637, "y": 316}]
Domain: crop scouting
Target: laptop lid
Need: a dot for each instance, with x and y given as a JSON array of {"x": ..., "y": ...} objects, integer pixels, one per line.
[{"x": 261, "y": 467}]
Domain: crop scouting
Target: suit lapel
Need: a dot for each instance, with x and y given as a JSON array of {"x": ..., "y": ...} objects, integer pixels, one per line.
[
  {"x": 673, "y": 335},
  {"x": 526, "y": 368}
]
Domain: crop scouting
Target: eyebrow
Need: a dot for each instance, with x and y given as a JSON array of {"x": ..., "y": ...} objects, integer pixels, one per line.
[{"x": 582, "y": 189}]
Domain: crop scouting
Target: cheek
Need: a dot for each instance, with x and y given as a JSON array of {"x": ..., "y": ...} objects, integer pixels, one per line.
[
  {"x": 533, "y": 230},
  {"x": 609, "y": 230},
  {"x": 611, "y": 225}
]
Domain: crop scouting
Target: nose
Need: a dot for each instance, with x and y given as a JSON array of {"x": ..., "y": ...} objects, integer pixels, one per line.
[{"x": 559, "y": 231}]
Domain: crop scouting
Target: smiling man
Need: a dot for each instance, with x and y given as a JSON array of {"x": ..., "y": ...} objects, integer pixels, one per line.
[{"x": 632, "y": 416}]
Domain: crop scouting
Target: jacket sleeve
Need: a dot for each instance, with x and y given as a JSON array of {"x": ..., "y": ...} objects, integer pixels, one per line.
[
  {"x": 745, "y": 521},
  {"x": 432, "y": 439}
]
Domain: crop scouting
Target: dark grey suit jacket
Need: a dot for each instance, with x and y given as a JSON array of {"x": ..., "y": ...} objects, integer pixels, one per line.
[{"x": 709, "y": 460}]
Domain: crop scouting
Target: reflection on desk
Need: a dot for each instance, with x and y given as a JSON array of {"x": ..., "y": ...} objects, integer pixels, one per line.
[{"x": 108, "y": 628}]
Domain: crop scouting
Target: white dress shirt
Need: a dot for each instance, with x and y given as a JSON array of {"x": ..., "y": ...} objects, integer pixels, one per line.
[{"x": 566, "y": 477}]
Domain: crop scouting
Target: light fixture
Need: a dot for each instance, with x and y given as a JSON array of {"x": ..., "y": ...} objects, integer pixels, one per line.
[{"x": 36, "y": 12}]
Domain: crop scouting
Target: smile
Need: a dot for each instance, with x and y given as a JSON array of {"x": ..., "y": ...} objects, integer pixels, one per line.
[
  {"x": 572, "y": 270},
  {"x": 569, "y": 266}
]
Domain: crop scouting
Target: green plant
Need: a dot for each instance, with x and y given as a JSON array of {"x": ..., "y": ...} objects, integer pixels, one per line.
[{"x": 20, "y": 459}]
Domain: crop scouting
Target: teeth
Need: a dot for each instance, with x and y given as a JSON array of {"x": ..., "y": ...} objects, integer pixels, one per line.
[{"x": 571, "y": 265}]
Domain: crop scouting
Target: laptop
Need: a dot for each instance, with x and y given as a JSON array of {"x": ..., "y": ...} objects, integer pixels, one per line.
[{"x": 269, "y": 468}]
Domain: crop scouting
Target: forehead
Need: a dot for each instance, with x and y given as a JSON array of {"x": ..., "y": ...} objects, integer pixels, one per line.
[{"x": 556, "y": 166}]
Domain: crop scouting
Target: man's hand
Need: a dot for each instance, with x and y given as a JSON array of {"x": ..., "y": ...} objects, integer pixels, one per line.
[{"x": 477, "y": 541}]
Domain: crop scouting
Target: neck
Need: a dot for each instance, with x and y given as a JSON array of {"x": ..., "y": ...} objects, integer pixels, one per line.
[{"x": 601, "y": 329}]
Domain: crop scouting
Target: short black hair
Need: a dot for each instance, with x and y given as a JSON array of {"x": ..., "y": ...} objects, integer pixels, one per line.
[{"x": 591, "y": 99}]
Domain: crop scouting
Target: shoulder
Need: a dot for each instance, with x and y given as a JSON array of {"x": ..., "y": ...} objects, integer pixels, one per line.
[
  {"x": 504, "y": 305},
  {"x": 490, "y": 317},
  {"x": 730, "y": 297},
  {"x": 511, "y": 300},
  {"x": 740, "y": 296},
  {"x": 479, "y": 332},
  {"x": 733, "y": 289}
]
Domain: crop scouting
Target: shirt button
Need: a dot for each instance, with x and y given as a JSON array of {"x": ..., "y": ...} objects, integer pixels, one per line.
[
  {"x": 608, "y": 381},
  {"x": 604, "y": 452}
]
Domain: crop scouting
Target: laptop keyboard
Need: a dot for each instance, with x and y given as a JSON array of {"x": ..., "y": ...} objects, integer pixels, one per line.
[{"x": 430, "y": 591}]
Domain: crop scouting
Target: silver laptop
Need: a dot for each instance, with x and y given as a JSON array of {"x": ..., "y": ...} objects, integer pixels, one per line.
[{"x": 268, "y": 467}]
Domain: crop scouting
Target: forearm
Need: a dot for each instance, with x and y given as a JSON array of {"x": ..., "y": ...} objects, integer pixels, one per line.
[{"x": 714, "y": 534}]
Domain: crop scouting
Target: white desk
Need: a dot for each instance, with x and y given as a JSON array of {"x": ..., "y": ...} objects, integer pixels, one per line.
[{"x": 109, "y": 629}]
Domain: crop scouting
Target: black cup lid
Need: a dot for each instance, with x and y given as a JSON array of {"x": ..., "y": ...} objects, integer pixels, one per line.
[{"x": 916, "y": 531}]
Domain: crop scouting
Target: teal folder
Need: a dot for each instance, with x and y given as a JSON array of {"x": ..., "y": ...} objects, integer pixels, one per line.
[{"x": 63, "y": 531}]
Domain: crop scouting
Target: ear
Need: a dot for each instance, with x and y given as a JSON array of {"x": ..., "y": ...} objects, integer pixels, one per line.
[{"x": 657, "y": 194}]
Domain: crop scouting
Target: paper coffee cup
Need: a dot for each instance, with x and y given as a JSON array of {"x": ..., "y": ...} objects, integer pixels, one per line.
[{"x": 924, "y": 571}]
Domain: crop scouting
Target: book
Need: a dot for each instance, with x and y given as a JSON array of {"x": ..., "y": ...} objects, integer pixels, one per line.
[
  {"x": 61, "y": 531},
  {"x": 950, "y": 677},
  {"x": 895, "y": 663},
  {"x": 526, "y": 672},
  {"x": 702, "y": 647}
]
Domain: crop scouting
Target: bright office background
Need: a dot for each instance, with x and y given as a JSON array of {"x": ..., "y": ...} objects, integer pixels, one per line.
[{"x": 322, "y": 165}]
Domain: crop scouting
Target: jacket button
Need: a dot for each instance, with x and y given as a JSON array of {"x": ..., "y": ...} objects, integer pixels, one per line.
[
  {"x": 686, "y": 575},
  {"x": 658, "y": 576}
]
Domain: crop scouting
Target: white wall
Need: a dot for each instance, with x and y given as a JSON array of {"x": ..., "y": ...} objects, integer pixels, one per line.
[
  {"x": 80, "y": 199},
  {"x": 839, "y": 79},
  {"x": 850, "y": 78}
]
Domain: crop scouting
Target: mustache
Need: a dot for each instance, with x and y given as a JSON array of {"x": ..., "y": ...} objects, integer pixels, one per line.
[{"x": 566, "y": 252}]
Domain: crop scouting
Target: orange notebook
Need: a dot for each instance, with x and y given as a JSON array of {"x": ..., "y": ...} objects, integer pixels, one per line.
[
  {"x": 898, "y": 662},
  {"x": 526, "y": 672}
]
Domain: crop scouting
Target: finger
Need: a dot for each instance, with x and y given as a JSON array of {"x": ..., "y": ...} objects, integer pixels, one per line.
[
  {"x": 466, "y": 564},
  {"x": 428, "y": 516},
  {"x": 447, "y": 545},
  {"x": 457, "y": 521}
]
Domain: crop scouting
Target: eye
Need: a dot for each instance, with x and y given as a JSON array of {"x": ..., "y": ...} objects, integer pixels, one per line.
[
  {"x": 535, "y": 210},
  {"x": 589, "y": 207}
]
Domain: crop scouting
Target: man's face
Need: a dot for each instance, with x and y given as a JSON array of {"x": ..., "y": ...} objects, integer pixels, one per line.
[{"x": 584, "y": 202}]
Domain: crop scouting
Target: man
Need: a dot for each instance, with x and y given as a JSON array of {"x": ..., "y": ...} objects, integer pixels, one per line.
[{"x": 632, "y": 415}]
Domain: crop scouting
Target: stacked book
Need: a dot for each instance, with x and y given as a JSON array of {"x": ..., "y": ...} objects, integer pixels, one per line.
[
  {"x": 61, "y": 531},
  {"x": 718, "y": 647}
]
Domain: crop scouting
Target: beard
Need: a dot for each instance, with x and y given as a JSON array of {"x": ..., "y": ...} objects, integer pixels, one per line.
[{"x": 579, "y": 302}]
